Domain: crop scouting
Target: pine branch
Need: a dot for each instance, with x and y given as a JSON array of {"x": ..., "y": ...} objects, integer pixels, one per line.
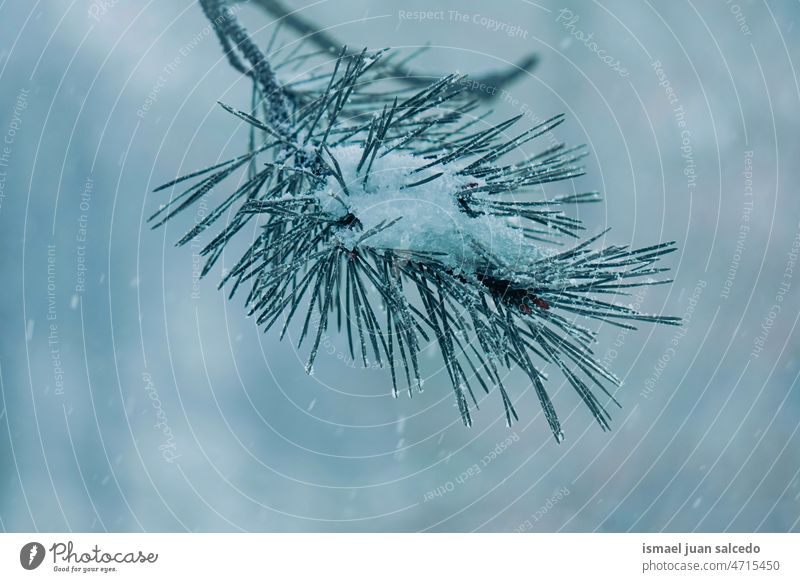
[
  {"x": 397, "y": 218},
  {"x": 234, "y": 39}
]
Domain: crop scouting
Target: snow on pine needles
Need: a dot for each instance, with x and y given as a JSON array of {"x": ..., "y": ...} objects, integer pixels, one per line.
[
  {"x": 426, "y": 217},
  {"x": 404, "y": 219}
]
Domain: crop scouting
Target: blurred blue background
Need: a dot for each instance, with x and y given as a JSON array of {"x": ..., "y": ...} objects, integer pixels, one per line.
[{"x": 136, "y": 398}]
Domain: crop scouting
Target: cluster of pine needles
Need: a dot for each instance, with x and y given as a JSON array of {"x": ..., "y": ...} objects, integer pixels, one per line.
[{"x": 322, "y": 268}]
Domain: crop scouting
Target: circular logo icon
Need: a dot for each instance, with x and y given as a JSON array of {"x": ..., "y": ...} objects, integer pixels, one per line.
[{"x": 31, "y": 555}]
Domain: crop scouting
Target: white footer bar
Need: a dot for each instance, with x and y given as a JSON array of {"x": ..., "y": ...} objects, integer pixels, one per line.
[{"x": 406, "y": 557}]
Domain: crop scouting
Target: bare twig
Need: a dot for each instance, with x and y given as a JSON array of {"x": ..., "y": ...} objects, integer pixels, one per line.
[{"x": 486, "y": 86}]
